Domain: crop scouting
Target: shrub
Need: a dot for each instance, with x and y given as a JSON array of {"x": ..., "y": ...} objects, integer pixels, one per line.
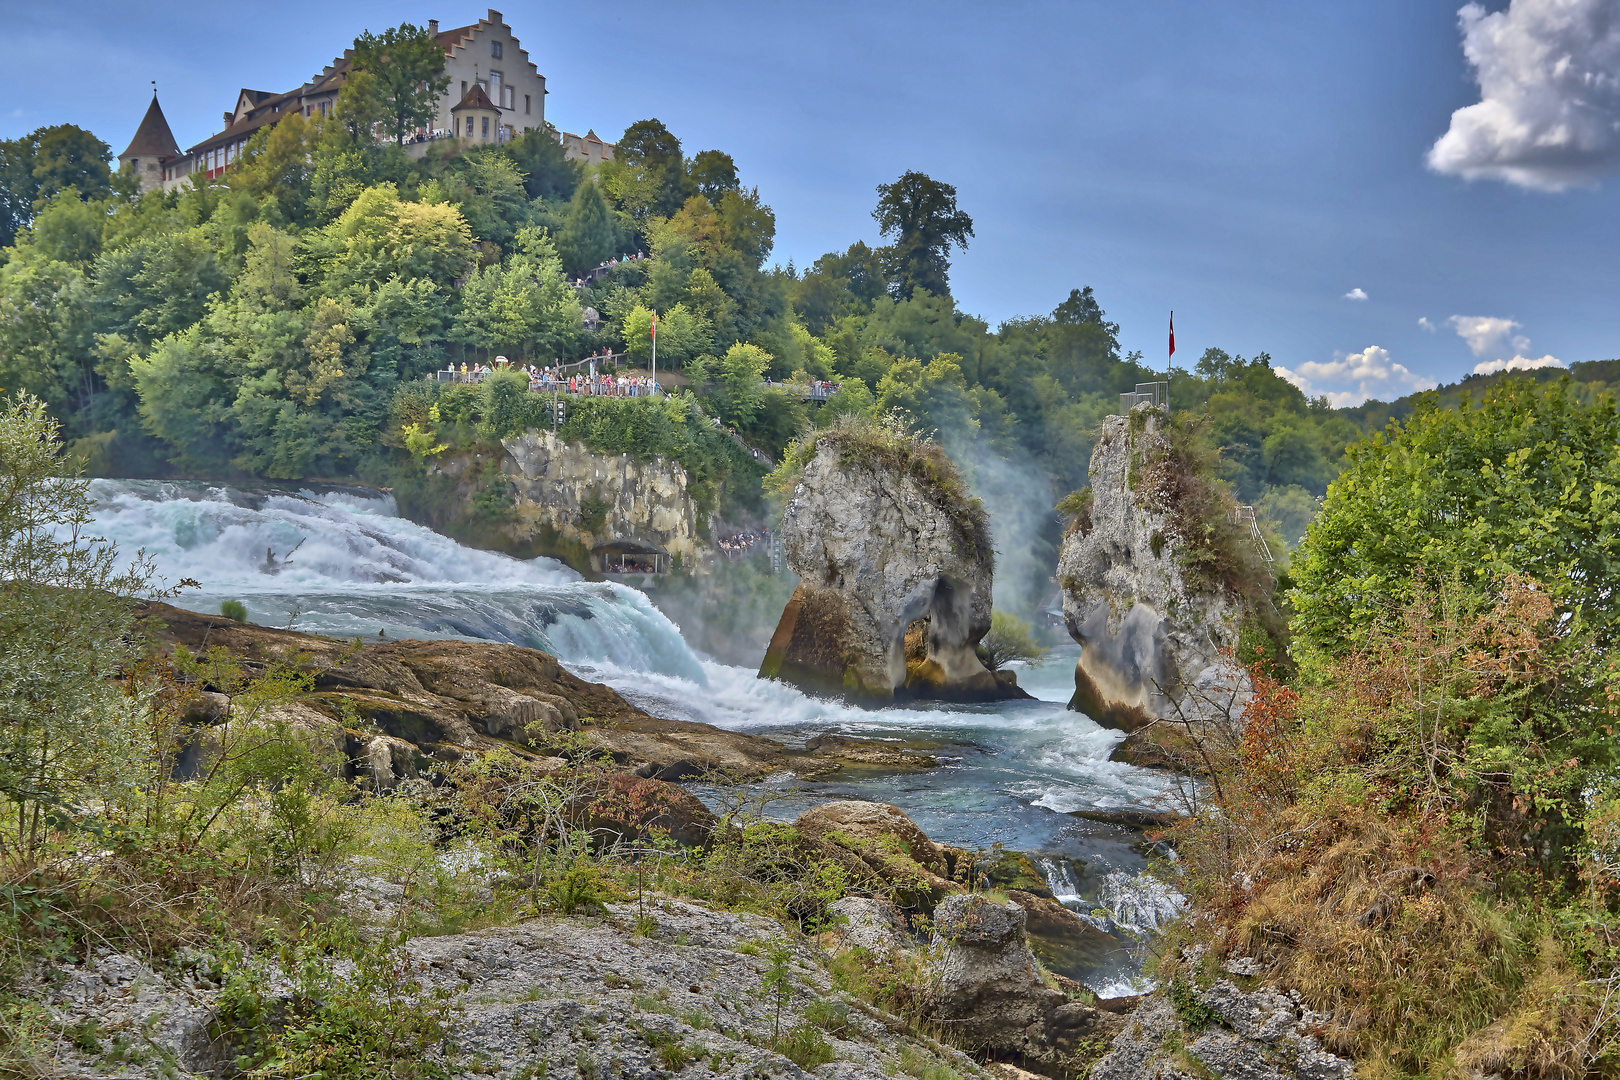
[
  {"x": 805, "y": 1046},
  {"x": 234, "y": 610}
]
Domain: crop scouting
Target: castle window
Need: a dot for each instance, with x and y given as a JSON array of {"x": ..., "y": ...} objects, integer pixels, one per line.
[
  {"x": 486, "y": 127},
  {"x": 495, "y": 49},
  {"x": 463, "y": 87},
  {"x": 469, "y": 127},
  {"x": 506, "y": 97}
]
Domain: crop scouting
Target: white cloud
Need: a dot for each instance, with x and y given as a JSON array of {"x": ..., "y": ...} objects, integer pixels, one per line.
[
  {"x": 1355, "y": 294},
  {"x": 1351, "y": 378},
  {"x": 1484, "y": 333},
  {"x": 1518, "y": 363},
  {"x": 1548, "y": 116},
  {"x": 1424, "y": 322}
]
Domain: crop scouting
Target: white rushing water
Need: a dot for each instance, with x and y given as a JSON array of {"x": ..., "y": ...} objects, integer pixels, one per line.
[{"x": 350, "y": 566}]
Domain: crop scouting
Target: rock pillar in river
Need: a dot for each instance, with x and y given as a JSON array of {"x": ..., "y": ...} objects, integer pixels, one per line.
[
  {"x": 1154, "y": 642},
  {"x": 885, "y": 539}
]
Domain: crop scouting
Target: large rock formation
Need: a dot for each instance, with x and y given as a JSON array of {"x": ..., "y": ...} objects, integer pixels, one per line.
[
  {"x": 401, "y": 705},
  {"x": 1155, "y": 643},
  {"x": 885, "y": 539},
  {"x": 600, "y": 499}
]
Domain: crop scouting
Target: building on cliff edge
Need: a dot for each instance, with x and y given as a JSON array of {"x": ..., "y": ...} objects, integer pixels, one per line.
[{"x": 485, "y": 57}]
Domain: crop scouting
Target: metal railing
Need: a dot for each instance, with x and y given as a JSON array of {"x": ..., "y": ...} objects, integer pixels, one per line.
[
  {"x": 1244, "y": 515},
  {"x": 1155, "y": 394}
]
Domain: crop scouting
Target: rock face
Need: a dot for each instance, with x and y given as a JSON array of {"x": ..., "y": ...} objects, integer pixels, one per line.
[
  {"x": 1152, "y": 645},
  {"x": 600, "y": 499},
  {"x": 551, "y": 997},
  {"x": 1263, "y": 1035},
  {"x": 987, "y": 989},
  {"x": 418, "y": 701},
  {"x": 881, "y": 539}
]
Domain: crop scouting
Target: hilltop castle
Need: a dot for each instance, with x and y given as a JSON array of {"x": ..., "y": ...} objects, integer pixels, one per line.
[{"x": 495, "y": 92}]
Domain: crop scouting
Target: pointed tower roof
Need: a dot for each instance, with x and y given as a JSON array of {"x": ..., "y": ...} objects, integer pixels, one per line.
[
  {"x": 153, "y": 138},
  {"x": 474, "y": 98}
]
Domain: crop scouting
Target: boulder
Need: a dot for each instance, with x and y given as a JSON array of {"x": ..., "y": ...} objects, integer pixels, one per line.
[
  {"x": 987, "y": 989},
  {"x": 863, "y": 922},
  {"x": 1154, "y": 644},
  {"x": 1264, "y": 1035},
  {"x": 887, "y": 842},
  {"x": 883, "y": 536}
]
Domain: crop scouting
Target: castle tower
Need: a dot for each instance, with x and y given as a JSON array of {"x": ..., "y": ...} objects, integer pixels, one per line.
[
  {"x": 152, "y": 145},
  {"x": 476, "y": 118}
]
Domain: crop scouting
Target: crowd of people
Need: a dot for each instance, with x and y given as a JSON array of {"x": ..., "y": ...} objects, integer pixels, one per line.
[
  {"x": 743, "y": 542},
  {"x": 604, "y": 268},
  {"x": 554, "y": 378}
]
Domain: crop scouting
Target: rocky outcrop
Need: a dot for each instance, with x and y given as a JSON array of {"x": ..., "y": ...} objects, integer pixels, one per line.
[
  {"x": 989, "y": 992},
  {"x": 1222, "y": 1030},
  {"x": 643, "y": 992},
  {"x": 884, "y": 538},
  {"x": 401, "y": 706},
  {"x": 593, "y": 499},
  {"x": 1154, "y": 644}
]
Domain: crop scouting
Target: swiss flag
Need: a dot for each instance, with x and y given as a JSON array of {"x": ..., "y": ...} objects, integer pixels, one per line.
[{"x": 1172, "y": 333}]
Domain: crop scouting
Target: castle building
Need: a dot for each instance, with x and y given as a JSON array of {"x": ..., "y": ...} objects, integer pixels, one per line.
[{"x": 485, "y": 57}]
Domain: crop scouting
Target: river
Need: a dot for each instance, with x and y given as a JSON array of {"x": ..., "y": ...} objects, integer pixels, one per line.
[{"x": 350, "y": 566}]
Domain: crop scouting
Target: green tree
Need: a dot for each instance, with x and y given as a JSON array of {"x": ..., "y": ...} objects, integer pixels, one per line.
[
  {"x": 920, "y": 216},
  {"x": 589, "y": 236},
  {"x": 45, "y": 330},
  {"x": 69, "y": 734},
  {"x": 1528, "y": 482},
  {"x": 66, "y": 157},
  {"x": 740, "y": 388},
  {"x": 408, "y": 65},
  {"x": 522, "y": 306},
  {"x": 547, "y": 171},
  {"x": 682, "y": 334},
  {"x": 1010, "y": 640},
  {"x": 713, "y": 174}
]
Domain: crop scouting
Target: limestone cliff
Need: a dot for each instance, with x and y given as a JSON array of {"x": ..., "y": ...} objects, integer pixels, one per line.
[
  {"x": 882, "y": 535},
  {"x": 600, "y": 500},
  {"x": 1156, "y": 641}
]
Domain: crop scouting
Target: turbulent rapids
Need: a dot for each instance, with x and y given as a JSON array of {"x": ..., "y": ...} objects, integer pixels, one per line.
[{"x": 349, "y": 566}]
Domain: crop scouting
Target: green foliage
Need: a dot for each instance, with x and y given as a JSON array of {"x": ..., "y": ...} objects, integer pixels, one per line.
[
  {"x": 805, "y": 1046},
  {"x": 407, "y": 64},
  {"x": 44, "y": 163},
  {"x": 1190, "y": 1008},
  {"x": 368, "y": 1018},
  {"x": 1524, "y": 483},
  {"x": 66, "y": 731},
  {"x": 234, "y": 610},
  {"x": 921, "y": 216},
  {"x": 1010, "y": 640}
]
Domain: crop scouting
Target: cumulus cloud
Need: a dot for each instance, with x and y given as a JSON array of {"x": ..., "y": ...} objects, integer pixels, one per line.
[
  {"x": 1518, "y": 363},
  {"x": 1355, "y": 294},
  {"x": 1548, "y": 116},
  {"x": 1484, "y": 333},
  {"x": 1424, "y": 322},
  {"x": 1351, "y": 378}
]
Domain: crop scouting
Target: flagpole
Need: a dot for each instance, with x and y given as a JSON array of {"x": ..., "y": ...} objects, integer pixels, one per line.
[{"x": 654, "y": 387}]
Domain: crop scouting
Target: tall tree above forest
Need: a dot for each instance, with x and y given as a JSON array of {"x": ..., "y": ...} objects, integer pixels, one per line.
[
  {"x": 920, "y": 215},
  {"x": 407, "y": 65}
]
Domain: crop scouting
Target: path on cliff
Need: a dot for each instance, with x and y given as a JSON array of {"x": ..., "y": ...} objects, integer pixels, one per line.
[{"x": 341, "y": 561}]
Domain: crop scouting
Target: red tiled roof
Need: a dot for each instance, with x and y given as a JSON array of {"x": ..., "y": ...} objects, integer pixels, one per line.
[{"x": 474, "y": 98}]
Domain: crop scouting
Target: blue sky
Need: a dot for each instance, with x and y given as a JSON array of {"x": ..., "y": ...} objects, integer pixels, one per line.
[{"x": 1247, "y": 164}]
